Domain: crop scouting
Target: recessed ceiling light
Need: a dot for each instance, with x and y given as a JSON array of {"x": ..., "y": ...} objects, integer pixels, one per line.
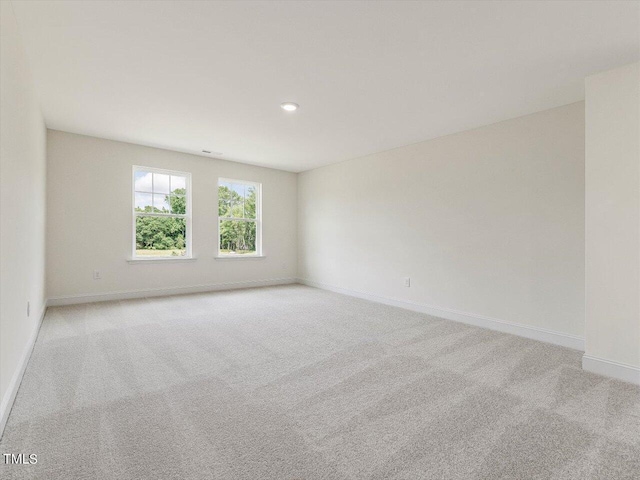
[{"x": 289, "y": 106}]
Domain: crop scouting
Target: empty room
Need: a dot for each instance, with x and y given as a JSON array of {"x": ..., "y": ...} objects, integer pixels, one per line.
[{"x": 304, "y": 240}]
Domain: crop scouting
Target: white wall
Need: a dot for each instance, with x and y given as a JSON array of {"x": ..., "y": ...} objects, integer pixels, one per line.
[
  {"x": 488, "y": 222},
  {"x": 613, "y": 217},
  {"x": 89, "y": 221},
  {"x": 22, "y": 209}
]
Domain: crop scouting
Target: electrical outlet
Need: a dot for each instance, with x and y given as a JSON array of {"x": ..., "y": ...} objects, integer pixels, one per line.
[
  {"x": 407, "y": 281},
  {"x": 97, "y": 275},
  {"x": 28, "y": 308}
]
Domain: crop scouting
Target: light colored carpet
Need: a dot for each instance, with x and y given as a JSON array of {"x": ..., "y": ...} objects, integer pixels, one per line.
[{"x": 298, "y": 383}]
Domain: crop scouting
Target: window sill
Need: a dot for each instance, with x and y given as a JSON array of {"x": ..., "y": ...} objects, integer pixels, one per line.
[
  {"x": 239, "y": 257},
  {"x": 134, "y": 261}
]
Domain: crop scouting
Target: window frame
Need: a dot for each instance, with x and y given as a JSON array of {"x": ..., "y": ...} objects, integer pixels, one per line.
[
  {"x": 187, "y": 216},
  {"x": 257, "y": 220}
]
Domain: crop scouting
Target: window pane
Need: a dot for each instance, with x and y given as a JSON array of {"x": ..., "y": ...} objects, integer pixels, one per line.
[
  {"x": 178, "y": 204},
  {"x": 161, "y": 204},
  {"x": 160, "y": 236},
  {"x": 160, "y": 183},
  {"x": 230, "y": 202},
  {"x": 178, "y": 185},
  {"x": 237, "y": 237},
  {"x": 143, "y": 181},
  {"x": 237, "y": 210},
  {"x": 250, "y": 202},
  {"x": 144, "y": 202},
  {"x": 224, "y": 207}
]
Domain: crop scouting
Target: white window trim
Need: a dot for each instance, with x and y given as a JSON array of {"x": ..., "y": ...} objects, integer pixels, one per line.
[
  {"x": 258, "y": 220},
  {"x": 145, "y": 259},
  {"x": 141, "y": 260}
]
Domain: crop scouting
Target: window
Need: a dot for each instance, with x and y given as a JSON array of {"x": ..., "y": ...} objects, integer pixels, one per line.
[
  {"x": 161, "y": 213},
  {"x": 239, "y": 218}
]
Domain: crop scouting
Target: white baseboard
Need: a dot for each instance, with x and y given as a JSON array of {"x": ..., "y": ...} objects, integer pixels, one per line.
[
  {"x": 159, "y": 292},
  {"x": 534, "y": 333},
  {"x": 608, "y": 368},
  {"x": 14, "y": 384}
]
